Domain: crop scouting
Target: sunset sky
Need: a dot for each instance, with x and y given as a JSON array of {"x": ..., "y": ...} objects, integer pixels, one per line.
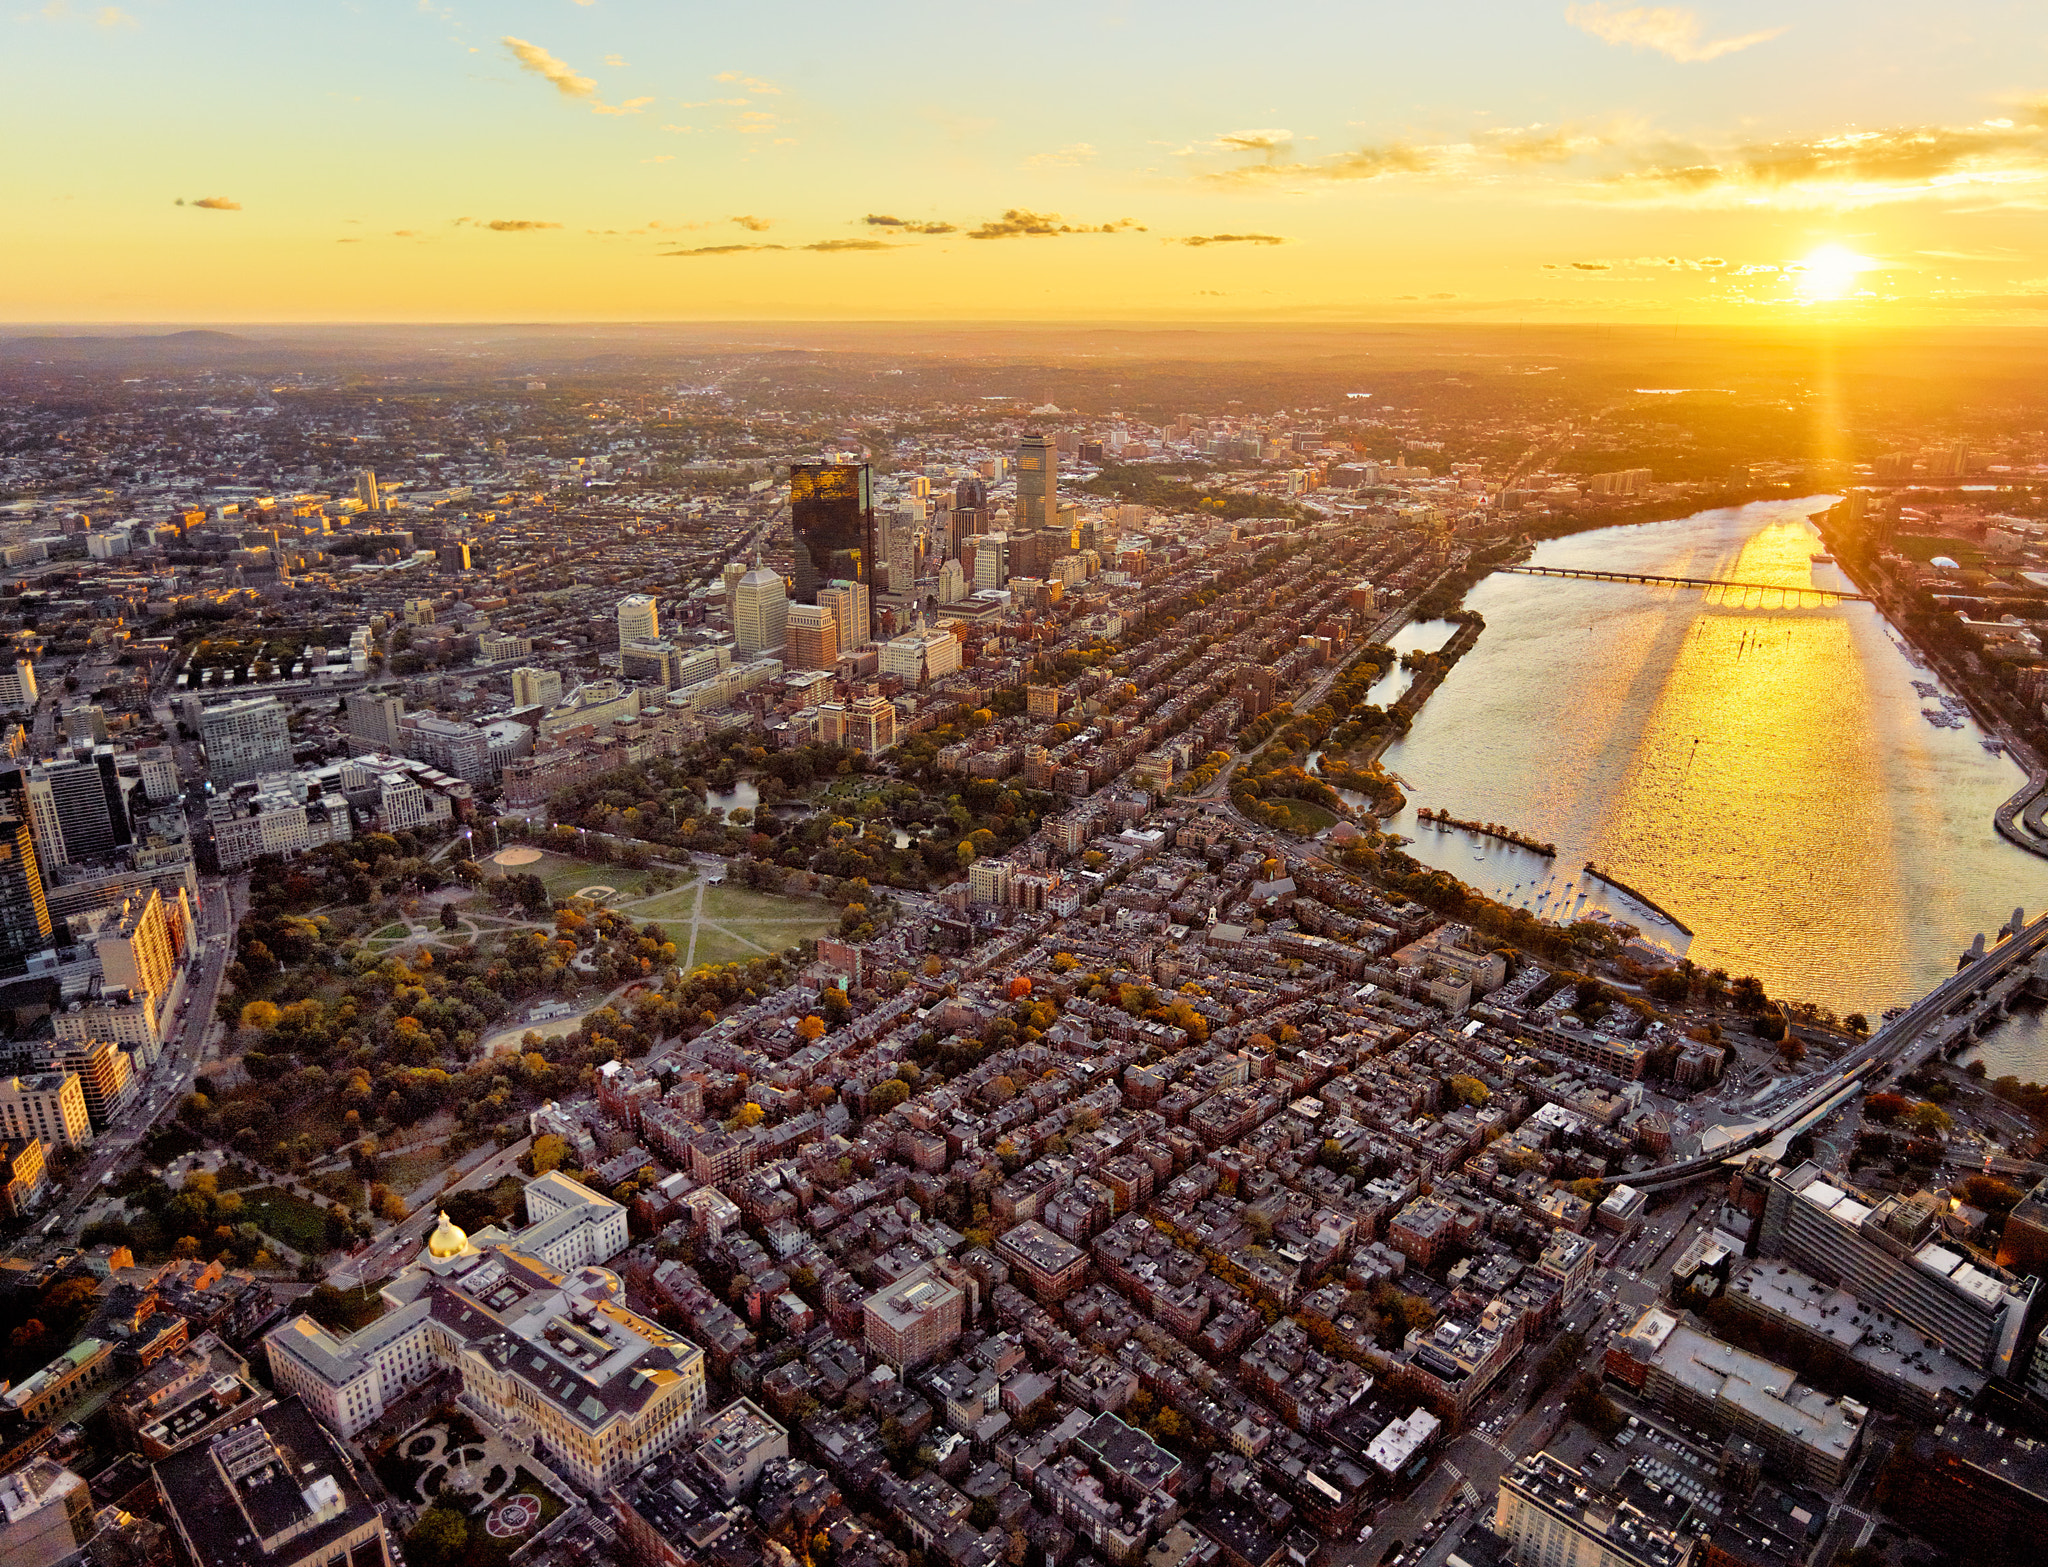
[{"x": 1486, "y": 160}]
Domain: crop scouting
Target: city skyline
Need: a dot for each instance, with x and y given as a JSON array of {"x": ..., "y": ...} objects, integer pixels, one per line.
[{"x": 1729, "y": 162}]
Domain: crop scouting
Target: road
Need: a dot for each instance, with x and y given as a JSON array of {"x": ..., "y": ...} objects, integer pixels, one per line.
[
  {"x": 387, "y": 1252},
  {"x": 221, "y": 905}
]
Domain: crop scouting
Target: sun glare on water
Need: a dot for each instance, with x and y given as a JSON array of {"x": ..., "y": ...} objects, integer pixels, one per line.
[{"x": 1830, "y": 272}]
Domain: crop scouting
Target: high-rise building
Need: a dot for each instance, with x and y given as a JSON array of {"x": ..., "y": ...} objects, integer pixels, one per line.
[
  {"x": 374, "y": 720},
  {"x": 105, "y": 1075},
  {"x": 902, "y": 545},
  {"x": 366, "y": 490},
  {"x": 244, "y": 739},
  {"x": 18, "y": 686},
  {"x": 992, "y": 561},
  {"x": 639, "y": 619},
  {"x": 24, "y": 913},
  {"x": 536, "y": 687},
  {"x": 652, "y": 661},
  {"x": 159, "y": 766},
  {"x": 1550, "y": 1516},
  {"x": 849, "y": 603},
  {"x": 832, "y": 529},
  {"x": 49, "y": 1105},
  {"x": 760, "y": 611},
  {"x": 813, "y": 632},
  {"x": 139, "y": 944},
  {"x": 1038, "y": 478},
  {"x": 952, "y": 583},
  {"x": 73, "y": 809},
  {"x": 453, "y": 555}
]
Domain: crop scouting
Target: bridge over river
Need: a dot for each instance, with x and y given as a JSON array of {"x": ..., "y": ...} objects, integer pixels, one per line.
[{"x": 1787, "y": 593}]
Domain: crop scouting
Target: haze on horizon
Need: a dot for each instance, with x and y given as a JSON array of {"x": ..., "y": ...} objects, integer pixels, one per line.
[{"x": 602, "y": 160}]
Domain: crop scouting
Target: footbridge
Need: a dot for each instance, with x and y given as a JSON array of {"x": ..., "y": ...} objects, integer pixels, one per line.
[
  {"x": 1946, "y": 1018},
  {"x": 1787, "y": 595}
]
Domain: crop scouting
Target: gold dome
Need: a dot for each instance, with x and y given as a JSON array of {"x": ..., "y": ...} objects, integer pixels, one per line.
[{"x": 447, "y": 1240}]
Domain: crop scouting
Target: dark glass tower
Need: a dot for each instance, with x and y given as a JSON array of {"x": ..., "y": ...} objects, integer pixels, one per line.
[{"x": 832, "y": 528}]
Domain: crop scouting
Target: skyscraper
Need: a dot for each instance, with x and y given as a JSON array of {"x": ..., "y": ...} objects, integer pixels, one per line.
[
  {"x": 849, "y": 602},
  {"x": 813, "y": 637},
  {"x": 366, "y": 490},
  {"x": 24, "y": 915},
  {"x": 760, "y": 613},
  {"x": 832, "y": 529},
  {"x": 1038, "y": 479},
  {"x": 639, "y": 619},
  {"x": 72, "y": 812}
]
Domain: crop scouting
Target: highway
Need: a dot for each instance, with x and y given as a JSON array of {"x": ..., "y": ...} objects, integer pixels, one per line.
[{"x": 1902, "y": 1042}]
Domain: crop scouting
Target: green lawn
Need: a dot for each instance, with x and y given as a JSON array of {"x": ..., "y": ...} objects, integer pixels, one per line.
[
  {"x": 483, "y": 1550},
  {"x": 564, "y": 876},
  {"x": 738, "y": 906},
  {"x": 291, "y": 1219},
  {"x": 679, "y": 904},
  {"x": 396, "y": 932},
  {"x": 1305, "y": 817},
  {"x": 1923, "y": 547}
]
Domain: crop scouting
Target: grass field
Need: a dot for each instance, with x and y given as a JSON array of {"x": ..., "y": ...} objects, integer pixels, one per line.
[
  {"x": 1923, "y": 547},
  {"x": 291, "y": 1219},
  {"x": 1306, "y": 817},
  {"x": 565, "y": 876}
]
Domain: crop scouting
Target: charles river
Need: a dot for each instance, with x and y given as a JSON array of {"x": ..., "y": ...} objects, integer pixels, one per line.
[{"x": 1765, "y": 774}]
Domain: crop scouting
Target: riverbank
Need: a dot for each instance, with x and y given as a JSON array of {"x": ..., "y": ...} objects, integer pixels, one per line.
[
  {"x": 2018, "y": 819},
  {"x": 1651, "y": 904},
  {"x": 1491, "y": 830}
]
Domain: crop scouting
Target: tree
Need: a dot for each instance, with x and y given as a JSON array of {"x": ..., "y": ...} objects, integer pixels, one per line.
[
  {"x": 1470, "y": 1090},
  {"x": 438, "y": 1537},
  {"x": 1928, "y": 1118},
  {"x": 550, "y": 1151},
  {"x": 450, "y": 920},
  {"x": 811, "y": 1029}
]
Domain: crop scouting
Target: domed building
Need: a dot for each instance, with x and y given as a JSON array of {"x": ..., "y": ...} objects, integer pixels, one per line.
[{"x": 448, "y": 1240}]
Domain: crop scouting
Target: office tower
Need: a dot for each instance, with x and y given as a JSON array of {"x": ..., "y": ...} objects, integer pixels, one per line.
[
  {"x": 760, "y": 612},
  {"x": 536, "y": 687},
  {"x": 373, "y": 720},
  {"x": 49, "y": 1105},
  {"x": 639, "y": 619},
  {"x": 901, "y": 546},
  {"x": 24, "y": 914},
  {"x": 991, "y": 560},
  {"x": 1038, "y": 464},
  {"x": 952, "y": 583},
  {"x": 18, "y": 686},
  {"x": 962, "y": 524},
  {"x": 1550, "y": 1517},
  {"x": 813, "y": 632},
  {"x": 849, "y": 603},
  {"x": 652, "y": 661},
  {"x": 832, "y": 531},
  {"x": 730, "y": 579},
  {"x": 244, "y": 739},
  {"x": 971, "y": 495},
  {"x": 454, "y": 555},
  {"x": 71, "y": 812},
  {"x": 366, "y": 490}
]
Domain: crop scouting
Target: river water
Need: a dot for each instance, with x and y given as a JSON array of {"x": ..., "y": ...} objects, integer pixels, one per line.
[{"x": 1762, "y": 772}]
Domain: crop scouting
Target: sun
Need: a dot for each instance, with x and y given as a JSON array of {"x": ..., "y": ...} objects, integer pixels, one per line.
[{"x": 1829, "y": 272}]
